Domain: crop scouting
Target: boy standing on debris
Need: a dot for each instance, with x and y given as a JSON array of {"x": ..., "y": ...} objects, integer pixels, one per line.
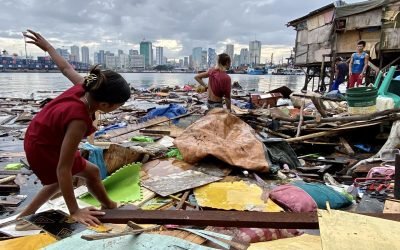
[
  {"x": 358, "y": 65},
  {"x": 219, "y": 83},
  {"x": 52, "y": 138}
]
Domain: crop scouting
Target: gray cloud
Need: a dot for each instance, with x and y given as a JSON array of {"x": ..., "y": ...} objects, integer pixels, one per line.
[{"x": 111, "y": 24}]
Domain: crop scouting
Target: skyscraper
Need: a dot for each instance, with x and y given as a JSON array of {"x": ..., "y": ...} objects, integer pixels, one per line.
[
  {"x": 146, "y": 50},
  {"x": 212, "y": 57},
  {"x": 85, "y": 54},
  {"x": 254, "y": 52},
  {"x": 75, "y": 54},
  {"x": 96, "y": 58},
  {"x": 204, "y": 59},
  {"x": 236, "y": 60},
  {"x": 230, "y": 51},
  {"x": 196, "y": 57},
  {"x": 133, "y": 52},
  {"x": 159, "y": 55},
  {"x": 101, "y": 59},
  {"x": 186, "y": 61},
  {"x": 244, "y": 56},
  {"x": 64, "y": 53}
]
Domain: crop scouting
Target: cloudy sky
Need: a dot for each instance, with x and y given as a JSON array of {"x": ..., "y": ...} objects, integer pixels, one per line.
[{"x": 178, "y": 25}]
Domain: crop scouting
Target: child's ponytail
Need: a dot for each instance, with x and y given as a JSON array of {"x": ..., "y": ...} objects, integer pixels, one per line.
[{"x": 106, "y": 86}]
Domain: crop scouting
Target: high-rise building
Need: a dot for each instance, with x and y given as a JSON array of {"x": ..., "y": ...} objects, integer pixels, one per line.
[
  {"x": 230, "y": 50},
  {"x": 133, "y": 52},
  {"x": 146, "y": 50},
  {"x": 120, "y": 52},
  {"x": 180, "y": 62},
  {"x": 204, "y": 59},
  {"x": 236, "y": 61},
  {"x": 136, "y": 61},
  {"x": 190, "y": 61},
  {"x": 74, "y": 57},
  {"x": 96, "y": 56},
  {"x": 64, "y": 53},
  {"x": 244, "y": 56},
  {"x": 159, "y": 55},
  {"x": 196, "y": 57},
  {"x": 85, "y": 54},
  {"x": 123, "y": 61},
  {"x": 186, "y": 61},
  {"x": 254, "y": 52},
  {"x": 212, "y": 57},
  {"x": 111, "y": 61},
  {"x": 101, "y": 59}
]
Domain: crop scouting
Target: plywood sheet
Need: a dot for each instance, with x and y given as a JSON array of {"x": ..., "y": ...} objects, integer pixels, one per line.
[
  {"x": 178, "y": 182},
  {"x": 344, "y": 230},
  {"x": 234, "y": 195},
  {"x": 363, "y": 20},
  {"x": 303, "y": 242},
  {"x": 138, "y": 242}
]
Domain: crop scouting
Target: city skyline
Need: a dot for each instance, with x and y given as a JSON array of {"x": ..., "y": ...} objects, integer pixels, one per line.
[{"x": 178, "y": 26}]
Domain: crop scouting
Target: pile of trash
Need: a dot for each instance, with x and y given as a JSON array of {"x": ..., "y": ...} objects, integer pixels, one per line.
[{"x": 195, "y": 180}]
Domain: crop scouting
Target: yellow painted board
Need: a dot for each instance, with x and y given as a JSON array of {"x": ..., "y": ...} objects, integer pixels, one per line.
[
  {"x": 344, "y": 230},
  {"x": 234, "y": 195},
  {"x": 30, "y": 242},
  {"x": 303, "y": 242}
]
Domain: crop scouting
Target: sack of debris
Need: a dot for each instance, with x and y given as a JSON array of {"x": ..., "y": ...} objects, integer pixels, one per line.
[
  {"x": 224, "y": 136},
  {"x": 300, "y": 196}
]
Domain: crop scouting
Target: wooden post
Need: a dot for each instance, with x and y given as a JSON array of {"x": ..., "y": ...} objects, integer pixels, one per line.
[{"x": 397, "y": 178}]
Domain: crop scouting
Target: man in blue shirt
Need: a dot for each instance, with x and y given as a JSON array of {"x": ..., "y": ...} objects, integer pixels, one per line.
[
  {"x": 341, "y": 71},
  {"x": 358, "y": 65}
]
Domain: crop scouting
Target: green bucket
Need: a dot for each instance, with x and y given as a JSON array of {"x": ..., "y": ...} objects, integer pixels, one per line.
[{"x": 361, "y": 97}]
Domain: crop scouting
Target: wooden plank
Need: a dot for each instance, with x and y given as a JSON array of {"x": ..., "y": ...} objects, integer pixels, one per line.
[
  {"x": 150, "y": 123},
  {"x": 7, "y": 179},
  {"x": 344, "y": 230},
  {"x": 221, "y": 218},
  {"x": 392, "y": 206},
  {"x": 9, "y": 188},
  {"x": 346, "y": 146}
]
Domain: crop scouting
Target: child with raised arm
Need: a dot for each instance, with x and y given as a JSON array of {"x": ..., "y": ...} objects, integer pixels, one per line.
[{"x": 52, "y": 138}]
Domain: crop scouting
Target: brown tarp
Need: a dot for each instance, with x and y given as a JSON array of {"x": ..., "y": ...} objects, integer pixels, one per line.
[{"x": 225, "y": 137}]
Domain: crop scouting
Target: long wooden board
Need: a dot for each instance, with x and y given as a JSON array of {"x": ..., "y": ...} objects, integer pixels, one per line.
[{"x": 222, "y": 218}]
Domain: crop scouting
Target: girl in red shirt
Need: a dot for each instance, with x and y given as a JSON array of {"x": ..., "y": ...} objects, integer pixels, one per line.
[
  {"x": 52, "y": 138},
  {"x": 219, "y": 83}
]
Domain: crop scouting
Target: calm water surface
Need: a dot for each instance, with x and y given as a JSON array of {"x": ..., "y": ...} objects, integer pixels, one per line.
[{"x": 25, "y": 84}]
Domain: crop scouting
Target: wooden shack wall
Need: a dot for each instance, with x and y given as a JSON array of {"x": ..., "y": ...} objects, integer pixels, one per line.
[
  {"x": 347, "y": 41},
  {"x": 313, "y": 38},
  {"x": 364, "y": 20},
  {"x": 391, "y": 27}
]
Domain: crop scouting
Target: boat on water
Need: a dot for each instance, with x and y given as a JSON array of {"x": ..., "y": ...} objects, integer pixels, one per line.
[
  {"x": 256, "y": 71},
  {"x": 288, "y": 71}
]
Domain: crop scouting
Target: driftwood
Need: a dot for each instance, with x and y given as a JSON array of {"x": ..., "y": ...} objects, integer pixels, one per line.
[{"x": 319, "y": 106}]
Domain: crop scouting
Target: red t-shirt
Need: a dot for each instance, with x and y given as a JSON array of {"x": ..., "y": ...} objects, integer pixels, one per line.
[
  {"x": 45, "y": 134},
  {"x": 220, "y": 83}
]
